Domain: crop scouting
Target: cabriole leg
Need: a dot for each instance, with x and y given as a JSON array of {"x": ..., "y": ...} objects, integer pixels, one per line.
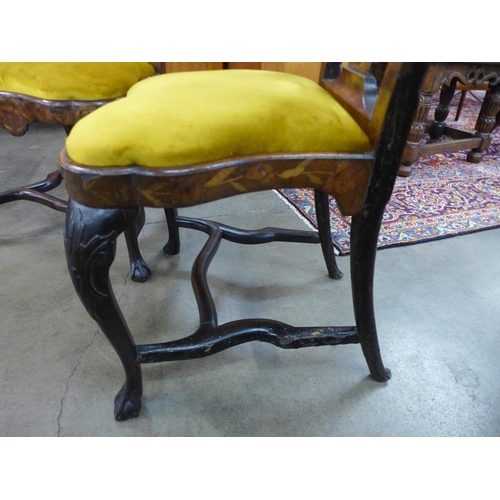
[
  {"x": 90, "y": 241},
  {"x": 364, "y": 235}
]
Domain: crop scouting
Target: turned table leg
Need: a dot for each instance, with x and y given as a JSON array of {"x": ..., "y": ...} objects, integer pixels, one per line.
[
  {"x": 412, "y": 149},
  {"x": 442, "y": 109},
  {"x": 486, "y": 122}
]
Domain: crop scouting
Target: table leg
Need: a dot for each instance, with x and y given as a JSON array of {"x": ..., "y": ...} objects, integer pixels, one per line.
[
  {"x": 442, "y": 109},
  {"x": 486, "y": 122},
  {"x": 412, "y": 148}
]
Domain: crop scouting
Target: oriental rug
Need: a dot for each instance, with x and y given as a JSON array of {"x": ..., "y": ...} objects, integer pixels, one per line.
[{"x": 445, "y": 195}]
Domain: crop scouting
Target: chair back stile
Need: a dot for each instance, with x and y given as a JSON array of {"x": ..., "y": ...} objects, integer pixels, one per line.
[
  {"x": 367, "y": 100},
  {"x": 385, "y": 109},
  {"x": 391, "y": 122},
  {"x": 355, "y": 88}
]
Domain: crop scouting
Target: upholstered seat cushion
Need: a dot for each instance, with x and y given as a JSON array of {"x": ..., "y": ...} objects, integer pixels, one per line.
[
  {"x": 194, "y": 117},
  {"x": 72, "y": 81}
]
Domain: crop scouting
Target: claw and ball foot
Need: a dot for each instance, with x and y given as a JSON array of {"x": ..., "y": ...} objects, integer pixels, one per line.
[
  {"x": 382, "y": 376},
  {"x": 127, "y": 404},
  {"x": 139, "y": 271}
]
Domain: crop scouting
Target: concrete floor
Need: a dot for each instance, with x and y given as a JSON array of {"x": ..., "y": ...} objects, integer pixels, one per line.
[{"x": 437, "y": 308}]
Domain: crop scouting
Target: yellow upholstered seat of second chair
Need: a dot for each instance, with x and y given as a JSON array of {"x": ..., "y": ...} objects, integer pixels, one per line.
[
  {"x": 72, "y": 81},
  {"x": 194, "y": 117}
]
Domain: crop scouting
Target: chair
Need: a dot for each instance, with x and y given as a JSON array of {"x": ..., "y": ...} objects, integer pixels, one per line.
[
  {"x": 186, "y": 139},
  {"x": 61, "y": 94}
]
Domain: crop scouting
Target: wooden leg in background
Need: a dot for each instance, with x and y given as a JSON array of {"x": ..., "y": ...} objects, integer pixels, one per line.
[
  {"x": 90, "y": 241},
  {"x": 460, "y": 105},
  {"x": 172, "y": 247},
  {"x": 321, "y": 201},
  {"x": 139, "y": 270},
  {"x": 442, "y": 109},
  {"x": 364, "y": 234}
]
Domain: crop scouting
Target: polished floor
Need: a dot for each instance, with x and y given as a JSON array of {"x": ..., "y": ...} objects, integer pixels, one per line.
[{"x": 437, "y": 305}]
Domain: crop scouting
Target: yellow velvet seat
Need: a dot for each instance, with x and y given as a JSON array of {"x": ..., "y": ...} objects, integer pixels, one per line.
[
  {"x": 72, "y": 81},
  {"x": 187, "y": 118}
]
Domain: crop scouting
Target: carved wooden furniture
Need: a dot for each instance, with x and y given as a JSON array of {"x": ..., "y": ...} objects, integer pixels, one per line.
[
  {"x": 356, "y": 161},
  {"x": 62, "y": 94},
  {"x": 444, "y": 77}
]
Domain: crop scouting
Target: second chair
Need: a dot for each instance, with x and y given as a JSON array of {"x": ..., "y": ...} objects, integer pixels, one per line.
[{"x": 60, "y": 93}]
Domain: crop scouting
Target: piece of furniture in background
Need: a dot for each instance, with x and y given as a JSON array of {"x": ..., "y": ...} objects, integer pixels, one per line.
[
  {"x": 178, "y": 67},
  {"x": 298, "y": 136},
  {"x": 469, "y": 88},
  {"x": 62, "y": 94},
  {"x": 443, "y": 78},
  {"x": 311, "y": 70}
]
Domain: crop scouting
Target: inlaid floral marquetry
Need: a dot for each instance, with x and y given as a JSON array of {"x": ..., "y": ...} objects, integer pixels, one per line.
[
  {"x": 343, "y": 176},
  {"x": 18, "y": 111}
]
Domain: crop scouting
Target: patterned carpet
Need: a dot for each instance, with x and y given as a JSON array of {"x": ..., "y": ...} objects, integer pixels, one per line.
[{"x": 444, "y": 196}]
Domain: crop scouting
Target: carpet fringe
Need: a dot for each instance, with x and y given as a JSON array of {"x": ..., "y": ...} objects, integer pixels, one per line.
[
  {"x": 295, "y": 209},
  {"x": 300, "y": 215}
]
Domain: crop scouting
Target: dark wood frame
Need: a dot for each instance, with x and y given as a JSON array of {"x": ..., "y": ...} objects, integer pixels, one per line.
[{"x": 104, "y": 202}]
